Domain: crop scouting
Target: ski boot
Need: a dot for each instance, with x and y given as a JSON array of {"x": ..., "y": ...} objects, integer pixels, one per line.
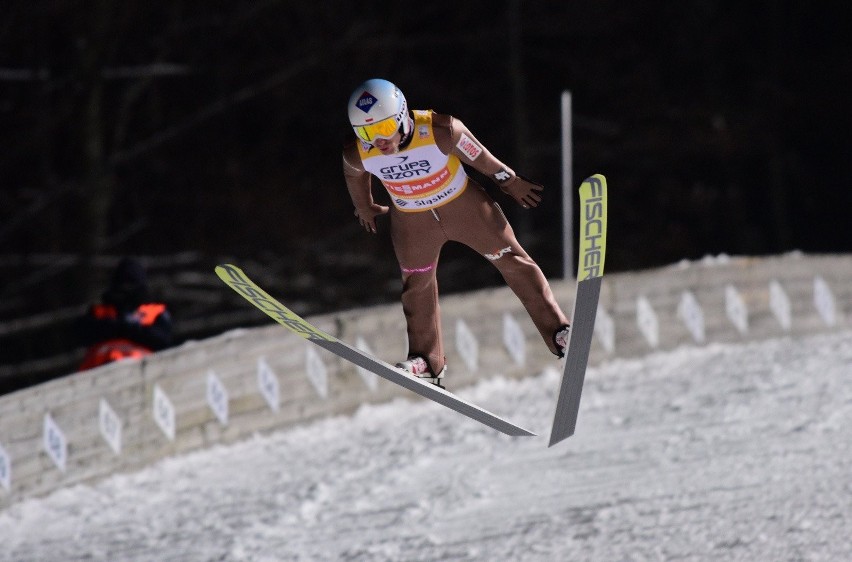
[
  {"x": 560, "y": 339},
  {"x": 418, "y": 367}
]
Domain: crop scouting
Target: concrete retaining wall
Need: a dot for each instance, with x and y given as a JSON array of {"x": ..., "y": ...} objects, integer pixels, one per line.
[{"x": 124, "y": 416}]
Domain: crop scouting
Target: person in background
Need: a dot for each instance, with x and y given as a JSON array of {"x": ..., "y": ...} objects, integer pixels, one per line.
[
  {"x": 418, "y": 157},
  {"x": 126, "y": 324}
]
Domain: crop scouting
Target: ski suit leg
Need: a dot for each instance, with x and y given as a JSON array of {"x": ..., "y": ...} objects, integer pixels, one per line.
[
  {"x": 477, "y": 221},
  {"x": 417, "y": 240}
]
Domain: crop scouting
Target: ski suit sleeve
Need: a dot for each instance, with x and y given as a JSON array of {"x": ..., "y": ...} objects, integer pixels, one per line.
[
  {"x": 464, "y": 144},
  {"x": 358, "y": 182}
]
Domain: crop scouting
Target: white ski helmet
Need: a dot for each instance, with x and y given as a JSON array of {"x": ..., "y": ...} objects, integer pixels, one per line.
[{"x": 377, "y": 109}]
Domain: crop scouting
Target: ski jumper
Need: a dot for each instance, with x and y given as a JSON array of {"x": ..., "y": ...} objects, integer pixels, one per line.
[{"x": 434, "y": 201}]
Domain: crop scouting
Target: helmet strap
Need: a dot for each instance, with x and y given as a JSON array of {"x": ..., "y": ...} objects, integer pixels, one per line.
[{"x": 406, "y": 138}]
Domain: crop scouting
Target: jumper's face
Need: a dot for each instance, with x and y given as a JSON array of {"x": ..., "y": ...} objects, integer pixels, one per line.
[{"x": 390, "y": 145}]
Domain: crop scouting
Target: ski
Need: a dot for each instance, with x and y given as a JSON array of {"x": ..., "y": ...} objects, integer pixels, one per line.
[
  {"x": 590, "y": 269},
  {"x": 235, "y": 278}
]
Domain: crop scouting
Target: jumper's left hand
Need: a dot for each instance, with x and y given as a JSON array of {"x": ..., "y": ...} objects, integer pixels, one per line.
[{"x": 524, "y": 191}]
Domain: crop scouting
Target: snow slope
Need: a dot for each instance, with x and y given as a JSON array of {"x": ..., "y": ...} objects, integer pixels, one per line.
[{"x": 725, "y": 452}]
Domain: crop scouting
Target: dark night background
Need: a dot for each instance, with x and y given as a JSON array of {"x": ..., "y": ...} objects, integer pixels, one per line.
[{"x": 193, "y": 132}]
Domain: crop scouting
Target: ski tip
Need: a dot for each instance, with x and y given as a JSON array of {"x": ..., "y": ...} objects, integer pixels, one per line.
[
  {"x": 228, "y": 272},
  {"x": 223, "y": 268}
]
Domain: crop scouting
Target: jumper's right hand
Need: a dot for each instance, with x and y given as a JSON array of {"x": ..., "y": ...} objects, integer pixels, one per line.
[{"x": 367, "y": 216}]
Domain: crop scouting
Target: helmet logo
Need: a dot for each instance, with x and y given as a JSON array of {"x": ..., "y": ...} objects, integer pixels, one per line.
[{"x": 366, "y": 102}]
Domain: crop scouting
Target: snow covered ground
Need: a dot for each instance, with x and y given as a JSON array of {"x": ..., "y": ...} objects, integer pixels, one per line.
[{"x": 725, "y": 452}]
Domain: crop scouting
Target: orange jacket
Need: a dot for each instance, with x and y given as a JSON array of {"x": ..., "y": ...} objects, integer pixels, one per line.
[{"x": 113, "y": 336}]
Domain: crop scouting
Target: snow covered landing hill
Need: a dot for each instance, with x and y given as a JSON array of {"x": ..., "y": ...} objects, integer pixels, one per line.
[{"x": 724, "y": 452}]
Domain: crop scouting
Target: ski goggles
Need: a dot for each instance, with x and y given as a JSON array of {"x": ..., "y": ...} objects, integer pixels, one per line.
[{"x": 386, "y": 128}]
